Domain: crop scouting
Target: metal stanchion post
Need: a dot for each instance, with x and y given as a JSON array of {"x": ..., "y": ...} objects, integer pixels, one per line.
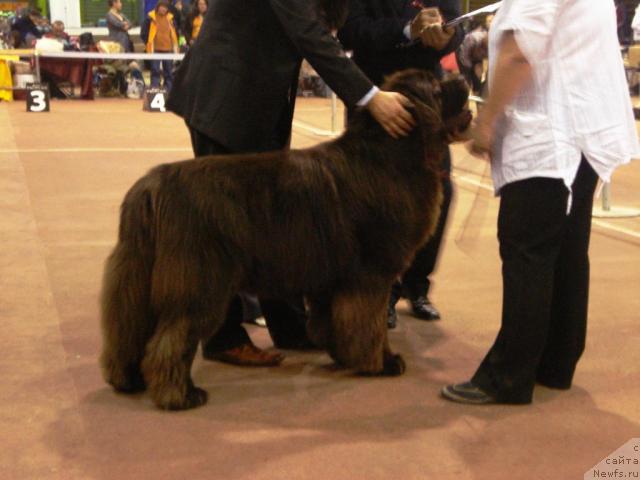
[
  {"x": 334, "y": 112},
  {"x": 607, "y": 212},
  {"x": 37, "y": 57},
  {"x": 606, "y": 191}
]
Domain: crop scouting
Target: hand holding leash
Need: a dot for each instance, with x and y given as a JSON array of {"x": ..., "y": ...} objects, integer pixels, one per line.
[
  {"x": 428, "y": 28},
  {"x": 425, "y": 18}
]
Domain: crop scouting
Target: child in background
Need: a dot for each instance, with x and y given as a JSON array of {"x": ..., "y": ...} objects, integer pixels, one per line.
[{"x": 159, "y": 34}]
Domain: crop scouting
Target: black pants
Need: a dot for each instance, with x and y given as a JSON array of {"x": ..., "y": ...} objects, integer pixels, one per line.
[
  {"x": 286, "y": 321},
  {"x": 416, "y": 281},
  {"x": 162, "y": 68},
  {"x": 545, "y": 270}
]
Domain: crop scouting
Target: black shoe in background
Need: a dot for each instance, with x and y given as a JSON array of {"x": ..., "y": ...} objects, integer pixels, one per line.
[
  {"x": 423, "y": 308},
  {"x": 392, "y": 317}
]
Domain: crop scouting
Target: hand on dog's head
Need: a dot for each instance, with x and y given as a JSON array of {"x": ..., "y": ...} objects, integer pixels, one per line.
[{"x": 439, "y": 105}]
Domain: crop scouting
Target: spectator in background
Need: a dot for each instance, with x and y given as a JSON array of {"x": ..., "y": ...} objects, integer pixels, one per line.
[
  {"x": 471, "y": 56},
  {"x": 28, "y": 27},
  {"x": 635, "y": 25},
  {"x": 178, "y": 11},
  {"x": 194, "y": 21},
  {"x": 118, "y": 26},
  {"x": 159, "y": 34},
  {"x": 57, "y": 33},
  {"x": 622, "y": 19}
]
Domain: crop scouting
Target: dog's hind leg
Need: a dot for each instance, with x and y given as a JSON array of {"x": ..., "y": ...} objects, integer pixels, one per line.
[
  {"x": 167, "y": 365},
  {"x": 190, "y": 292},
  {"x": 127, "y": 322},
  {"x": 393, "y": 363},
  {"x": 359, "y": 331}
]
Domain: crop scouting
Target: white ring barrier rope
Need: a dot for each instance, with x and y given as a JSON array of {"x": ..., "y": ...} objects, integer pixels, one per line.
[{"x": 111, "y": 56}]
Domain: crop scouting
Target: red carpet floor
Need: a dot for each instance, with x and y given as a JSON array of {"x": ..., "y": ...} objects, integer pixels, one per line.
[{"x": 62, "y": 177}]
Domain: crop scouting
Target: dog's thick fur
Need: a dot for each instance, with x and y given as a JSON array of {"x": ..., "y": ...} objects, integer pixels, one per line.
[{"x": 336, "y": 223}]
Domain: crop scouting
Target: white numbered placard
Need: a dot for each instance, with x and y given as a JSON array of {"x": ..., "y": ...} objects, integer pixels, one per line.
[
  {"x": 38, "y": 99},
  {"x": 155, "y": 100}
]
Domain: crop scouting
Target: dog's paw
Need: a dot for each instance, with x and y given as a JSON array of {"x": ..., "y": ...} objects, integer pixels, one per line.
[
  {"x": 394, "y": 365},
  {"x": 129, "y": 382},
  {"x": 195, "y": 397}
]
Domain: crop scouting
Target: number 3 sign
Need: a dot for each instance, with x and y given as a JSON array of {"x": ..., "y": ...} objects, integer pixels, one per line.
[{"x": 38, "y": 99}]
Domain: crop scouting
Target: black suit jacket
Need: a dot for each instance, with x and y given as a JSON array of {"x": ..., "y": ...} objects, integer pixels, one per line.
[
  {"x": 237, "y": 83},
  {"x": 374, "y": 31}
]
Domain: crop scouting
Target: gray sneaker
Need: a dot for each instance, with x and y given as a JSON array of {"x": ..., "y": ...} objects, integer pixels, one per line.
[{"x": 467, "y": 392}]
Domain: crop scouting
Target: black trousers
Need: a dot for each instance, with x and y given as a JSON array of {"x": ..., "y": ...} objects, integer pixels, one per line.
[
  {"x": 286, "y": 321},
  {"x": 545, "y": 270},
  {"x": 416, "y": 281}
]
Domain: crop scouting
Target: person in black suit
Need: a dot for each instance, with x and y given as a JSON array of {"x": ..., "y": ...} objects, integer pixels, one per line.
[
  {"x": 391, "y": 35},
  {"x": 236, "y": 90}
]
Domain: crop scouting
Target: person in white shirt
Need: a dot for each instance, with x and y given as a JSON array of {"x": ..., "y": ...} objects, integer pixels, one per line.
[{"x": 558, "y": 117}]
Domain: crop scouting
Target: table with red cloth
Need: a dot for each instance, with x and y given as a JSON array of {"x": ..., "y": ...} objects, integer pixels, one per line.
[{"x": 77, "y": 71}]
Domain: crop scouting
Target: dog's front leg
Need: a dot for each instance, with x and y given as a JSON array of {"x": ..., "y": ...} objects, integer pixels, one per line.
[{"x": 359, "y": 331}]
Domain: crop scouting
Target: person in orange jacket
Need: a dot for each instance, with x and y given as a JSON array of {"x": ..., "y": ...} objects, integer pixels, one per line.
[{"x": 159, "y": 34}]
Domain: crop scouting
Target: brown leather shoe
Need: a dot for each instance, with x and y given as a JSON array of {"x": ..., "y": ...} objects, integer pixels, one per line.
[{"x": 247, "y": 355}]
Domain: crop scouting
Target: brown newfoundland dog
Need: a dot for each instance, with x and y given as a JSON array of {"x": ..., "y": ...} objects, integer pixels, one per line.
[{"x": 336, "y": 223}]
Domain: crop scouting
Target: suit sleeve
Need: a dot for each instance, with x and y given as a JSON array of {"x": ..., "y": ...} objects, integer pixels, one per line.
[
  {"x": 362, "y": 32},
  {"x": 450, "y": 9},
  {"x": 325, "y": 54}
]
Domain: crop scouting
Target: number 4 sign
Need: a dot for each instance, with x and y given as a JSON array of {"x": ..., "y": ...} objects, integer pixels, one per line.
[
  {"x": 38, "y": 99},
  {"x": 154, "y": 100}
]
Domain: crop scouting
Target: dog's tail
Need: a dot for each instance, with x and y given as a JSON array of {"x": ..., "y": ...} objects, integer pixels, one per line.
[{"x": 127, "y": 319}]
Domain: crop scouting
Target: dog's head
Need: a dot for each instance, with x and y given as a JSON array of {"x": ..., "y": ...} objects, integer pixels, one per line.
[{"x": 440, "y": 106}]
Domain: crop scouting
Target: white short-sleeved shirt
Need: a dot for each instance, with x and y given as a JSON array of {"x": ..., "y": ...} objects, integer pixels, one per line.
[{"x": 578, "y": 101}]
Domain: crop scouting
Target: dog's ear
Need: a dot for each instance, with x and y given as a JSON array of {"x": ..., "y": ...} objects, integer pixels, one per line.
[
  {"x": 411, "y": 108},
  {"x": 426, "y": 116},
  {"x": 456, "y": 114},
  {"x": 457, "y": 129},
  {"x": 454, "y": 95}
]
